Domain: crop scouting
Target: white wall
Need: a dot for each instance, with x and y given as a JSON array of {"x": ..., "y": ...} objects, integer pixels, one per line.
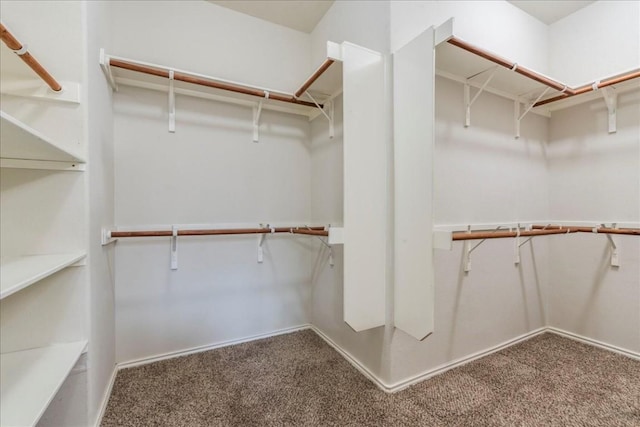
[
  {"x": 598, "y": 41},
  {"x": 202, "y": 37},
  {"x": 209, "y": 172},
  {"x": 482, "y": 175},
  {"x": 101, "y": 360},
  {"x": 366, "y": 24},
  {"x": 595, "y": 177},
  {"x": 497, "y": 26}
]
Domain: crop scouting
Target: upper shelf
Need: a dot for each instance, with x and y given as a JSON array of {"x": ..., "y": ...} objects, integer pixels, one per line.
[
  {"x": 461, "y": 61},
  {"x": 21, "y": 142},
  {"x": 322, "y": 85}
]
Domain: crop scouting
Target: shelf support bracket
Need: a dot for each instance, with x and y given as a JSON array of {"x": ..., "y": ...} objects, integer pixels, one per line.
[
  {"x": 468, "y": 101},
  {"x": 613, "y": 247},
  {"x": 329, "y": 116},
  {"x": 516, "y": 259},
  {"x": 257, "y": 111},
  {"x": 529, "y": 239},
  {"x": 611, "y": 100},
  {"x": 105, "y": 237},
  {"x": 528, "y": 108},
  {"x": 261, "y": 240},
  {"x": 106, "y": 69},
  {"x": 172, "y": 103},
  {"x": 174, "y": 247},
  {"x": 468, "y": 249}
]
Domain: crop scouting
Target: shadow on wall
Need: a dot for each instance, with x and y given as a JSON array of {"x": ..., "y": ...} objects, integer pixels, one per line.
[
  {"x": 603, "y": 267},
  {"x": 525, "y": 300},
  {"x": 150, "y": 106}
]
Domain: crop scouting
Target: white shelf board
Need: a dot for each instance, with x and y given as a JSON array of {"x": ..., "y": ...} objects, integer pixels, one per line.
[
  {"x": 20, "y": 272},
  {"x": 458, "y": 61},
  {"x": 29, "y": 380},
  {"x": 326, "y": 86},
  {"x": 19, "y": 141}
]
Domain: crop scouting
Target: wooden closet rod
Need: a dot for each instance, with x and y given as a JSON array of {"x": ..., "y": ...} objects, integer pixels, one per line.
[
  {"x": 590, "y": 88},
  {"x": 475, "y": 235},
  {"x": 511, "y": 65},
  {"x": 118, "y": 63},
  {"x": 540, "y": 230},
  {"x": 600, "y": 230},
  {"x": 20, "y": 50},
  {"x": 567, "y": 92},
  {"x": 314, "y": 231},
  {"x": 325, "y": 65}
]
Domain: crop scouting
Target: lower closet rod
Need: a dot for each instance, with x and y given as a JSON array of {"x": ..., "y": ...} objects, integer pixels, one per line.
[
  {"x": 601, "y": 230},
  {"x": 541, "y": 230},
  {"x": 474, "y": 235},
  {"x": 314, "y": 231}
]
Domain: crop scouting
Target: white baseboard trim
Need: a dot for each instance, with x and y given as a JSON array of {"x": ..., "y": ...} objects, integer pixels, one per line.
[
  {"x": 595, "y": 343},
  {"x": 388, "y": 388},
  {"x": 106, "y": 396},
  {"x": 354, "y": 362},
  {"x": 193, "y": 350},
  {"x": 400, "y": 385}
]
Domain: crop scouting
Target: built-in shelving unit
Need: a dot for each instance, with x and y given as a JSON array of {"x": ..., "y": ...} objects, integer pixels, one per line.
[
  {"x": 20, "y": 272},
  {"x": 25, "y": 147},
  {"x": 43, "y": 332},
  {"x": 29, "y": 380}
]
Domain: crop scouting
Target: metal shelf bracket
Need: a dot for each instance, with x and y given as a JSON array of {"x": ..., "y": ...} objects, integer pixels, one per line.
[
  {"x": 174, "y": 247},
  {"x": 518, "y": 117},
  {"x": 257, "y": 111},
  {"x": 613, "y": 246},
  {"x": 172, "y": 103},
  {"x": 611, "y": 100},
  {"x": 329, "y": 116},
  {"x": 468, "y": 101}
]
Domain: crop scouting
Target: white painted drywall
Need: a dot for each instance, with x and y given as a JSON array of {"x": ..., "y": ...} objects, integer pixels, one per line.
[
  {"x": 209, "y": 172},
  {"x": 595, "y": 176},
  {"x": 497, "y": 26},
  {"x": 209, "y": 39},
  {"x": 481, "y": 175},
  {"x": 101, "y": 356},
  {"x": 327, "y": 286},
  {"x": 365, "y": 23},
  {"x": 598, "y": 41}
]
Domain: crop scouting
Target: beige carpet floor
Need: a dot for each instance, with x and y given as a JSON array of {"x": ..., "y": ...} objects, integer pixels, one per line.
[{"x": 298, "y": 380}]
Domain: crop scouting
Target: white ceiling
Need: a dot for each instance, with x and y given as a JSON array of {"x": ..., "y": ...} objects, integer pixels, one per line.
[
  {"x": 550, "y": 11},
  {"x": 301, "y": 15},
  {"x": 304, "y": 15}
]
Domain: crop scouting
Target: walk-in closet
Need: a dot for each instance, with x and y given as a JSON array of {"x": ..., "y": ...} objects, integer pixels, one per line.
[{"x": 319, "y": 213}]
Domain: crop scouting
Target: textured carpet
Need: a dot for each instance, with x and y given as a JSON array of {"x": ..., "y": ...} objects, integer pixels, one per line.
[{"x": 298, "y": 380}]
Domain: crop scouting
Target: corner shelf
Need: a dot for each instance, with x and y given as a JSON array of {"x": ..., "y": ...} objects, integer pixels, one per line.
[
  {"x": 21, "y": 272},
  {"x": 29, "y": 380},
  {"x": 324, "y": 84},
  {"x": 474, "y": 66},
  {"x": 25, "y": 147}
]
